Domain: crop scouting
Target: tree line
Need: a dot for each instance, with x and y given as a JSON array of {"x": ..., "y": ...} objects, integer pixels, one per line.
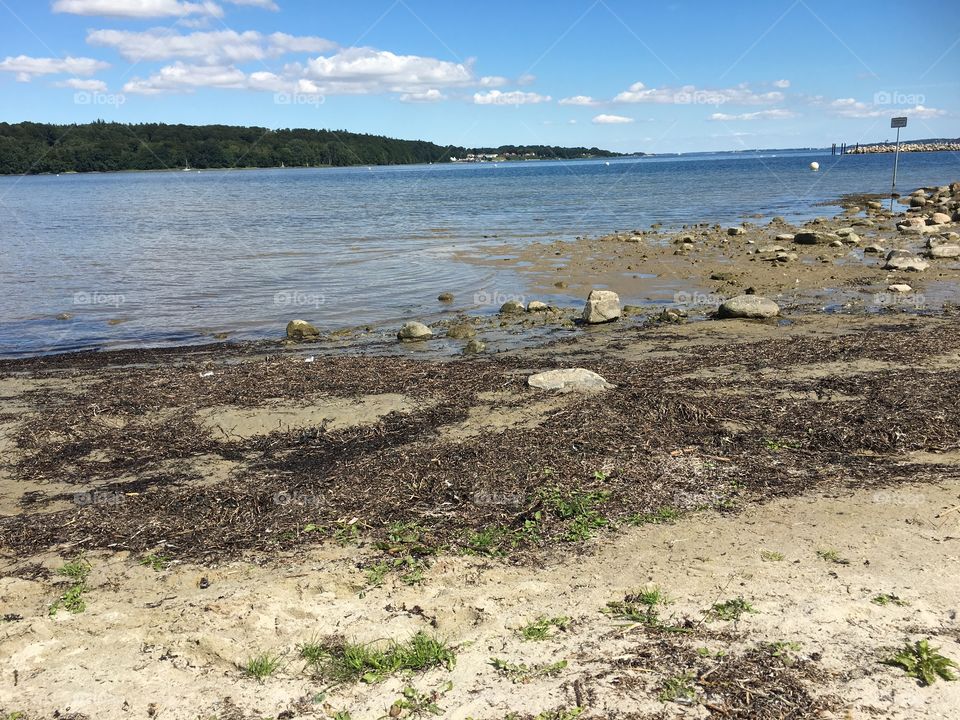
[{"x": 33, "y": 148}]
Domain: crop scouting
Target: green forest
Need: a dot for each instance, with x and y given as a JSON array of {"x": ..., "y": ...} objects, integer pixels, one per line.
[{"x": 34, "y": 148}]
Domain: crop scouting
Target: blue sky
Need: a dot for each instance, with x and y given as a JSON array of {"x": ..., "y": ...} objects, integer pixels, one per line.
[{"x": 629, "y": 76}]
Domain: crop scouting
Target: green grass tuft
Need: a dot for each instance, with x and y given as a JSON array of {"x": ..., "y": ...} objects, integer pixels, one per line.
[
  {"x": 262, "y": 666},
  {"x": 349, "y": 662},
  {"x": 924, "y": 662},
  {"x": 540, "y": 629},
  {"x": 731, "y": 609}
]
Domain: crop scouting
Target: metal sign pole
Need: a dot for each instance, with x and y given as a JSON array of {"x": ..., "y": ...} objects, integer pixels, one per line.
[{"x": 897, "y": 122}]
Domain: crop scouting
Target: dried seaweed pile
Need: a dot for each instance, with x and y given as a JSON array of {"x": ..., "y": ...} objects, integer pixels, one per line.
[{"x": 719, "y": 441}]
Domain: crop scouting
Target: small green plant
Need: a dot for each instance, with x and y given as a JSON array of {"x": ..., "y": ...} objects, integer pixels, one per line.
[
  {"x": 346, "y": 661},
  {"x": 579, "y": 510},
  {"x": 832, "y": 556},
  {"x": 884, "y": 599},
  {"x": 560, "y": 714},
  {"x": 540, "y": 629},
  {"x": 642, "y": 607},
  {"x": 409, "y": 568},
  {"x": 485, "y": 541},
  {"x": 771, "y": 556},
  {"x": 665, "y": 515},
  {"x": 706, "y": 652},
  {"x": 419, "y": 704},
  {"x": 784, "y": 650},
  {"x": 262, "y": 666},
  {"x": 731, "y": 609},
  {"x": 523, "y": 673},
  {"x": 72, "y": 598},
  {"x": 679, "y": 688},
  {"x": 155, "y": 562},
  {"x": 924, "y": 662}
]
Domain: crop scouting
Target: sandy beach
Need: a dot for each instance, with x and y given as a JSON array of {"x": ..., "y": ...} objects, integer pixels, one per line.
[{"x": 746, "y": 522}]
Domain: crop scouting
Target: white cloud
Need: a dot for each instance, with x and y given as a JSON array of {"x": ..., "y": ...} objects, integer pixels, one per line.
[
  {"x": 691, "y": 95},
  {"x": 137, "y": 8},
  {"x": 782, "y": 84},
  {"x": 366, "y": 70},
  {"x": 426, "y": 96},
  {"x": 493, "y": 81},
  {"x": 27, "y": 68},
  {"x": 584, "y": 100},
  {"x": 181, "y": 77},
  {"x": 211, "y": 47},
  {"x": 88, "y": 85},
  {"x": 852, "y": 108},
  {"x": 265, "y": 4},
  {"x": 514, "y": 97},
  {"x": 604, "y": 119},
  {"x": 776, "y": 114}
]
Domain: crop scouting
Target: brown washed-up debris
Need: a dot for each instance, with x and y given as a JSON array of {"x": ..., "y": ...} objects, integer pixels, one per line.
[{"x": 663, "y": 437}]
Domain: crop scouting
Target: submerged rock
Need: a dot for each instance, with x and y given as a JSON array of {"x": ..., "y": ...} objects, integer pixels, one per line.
[
  {"x": 300, "y": 330},
  {"x": 474, "y": 347},
  {"x": 511, "y": 307},
  {"x": 445, "y": 297},
  {"x": 602, "y": 306},
  {"x": 414, "y": 331},
  {"x": 568, "y": 379},
  {"x": 749, "y": 306}
]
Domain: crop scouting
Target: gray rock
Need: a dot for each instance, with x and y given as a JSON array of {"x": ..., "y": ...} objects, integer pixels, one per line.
[
  {"x": 784, "y": 257},
  {"x": 732, "y": 231},
  {"x": 568, "y": 379},
  {"x": 414, "y": 331},
  {"x": 771, "y": 249},
  {"x": 461, "y": 331},
  {"x": 814, "y": 237},
  {"x": 537, "y": 306},
  {"x": 852, "y": 238},
  {"x": 511, "y": 307},
  {"x": 785, "y": 237},
  {"x": 301, "y": 330},
  {"x": 904, "y": 260},
  {"x": 445, "y": 297},
  {"x": 749, "y": 306},
  {"x": 899, "y": 288},
  {"x": 939, "y": 218},
  {"x": 944, "y": 251},
  {"x": 874, "y": 250},
  {"x": 602, "y": 306},
  {"x": 474, "y": 347}
]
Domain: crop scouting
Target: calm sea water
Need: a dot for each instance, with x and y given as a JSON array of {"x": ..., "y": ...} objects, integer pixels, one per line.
[{"x": 170, "y": 258}]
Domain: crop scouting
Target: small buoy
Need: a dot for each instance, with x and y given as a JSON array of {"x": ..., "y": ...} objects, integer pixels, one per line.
[{"x": 814, "y": 166}]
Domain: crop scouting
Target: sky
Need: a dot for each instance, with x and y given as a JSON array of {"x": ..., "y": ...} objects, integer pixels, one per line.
[{"x": 621, "y": 75}]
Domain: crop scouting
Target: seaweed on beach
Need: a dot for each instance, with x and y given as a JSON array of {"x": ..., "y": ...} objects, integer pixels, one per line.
[{"x": 719, "y": 427}]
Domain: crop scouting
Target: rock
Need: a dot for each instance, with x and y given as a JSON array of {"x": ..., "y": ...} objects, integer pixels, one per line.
[
  {"x": 837, "y": 243},
  {"x": 874, "y": 205},
  {"x": 445, "y": 297},
  {"x": 814, "y": 237},
  {"x": 912, "y": 225},
  {"x": 771, "y": 249},
  {"x": 784, "y": 257},
  {"x": 602, "y": 306},
  {"x": 917, "y": 201},
  {"x": 735, "y": 231},
  {"x": 874, "y": 250},
  {"x": 939, "y": 218},
  {"x": 301, "y": 330},
  {"x": 852, "y": 238},
  {"x": 461, "y": 331},
  {"x": 632, "y": 310},
  {"x": 904, "y": 260},
  {"x": 748, "y": 306},
  {"x": 64, "y": 316},
  {"x": 537, "y": 306},
  {"x": 571, "y": 379},
  {"x": 511, "y": 307},
  {"x": 785, "y": 237},
  {"x": 674, "y": 315},
  {"x": 899, "y": 288},
  {"x": 474, "y": 347},
  {"x": 944, "y": 251},
  {"x": 414, "y": 331},
  {"x": 559, "y": 284}
]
